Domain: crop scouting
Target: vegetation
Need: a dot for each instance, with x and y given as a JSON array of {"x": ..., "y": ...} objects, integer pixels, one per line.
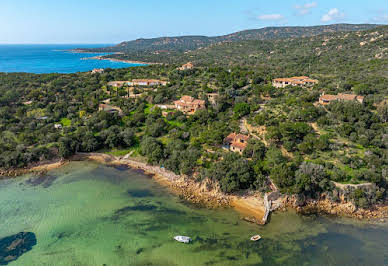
[
  {"x": 300, "y": 146},
  {"x": 164, "y": 45}
]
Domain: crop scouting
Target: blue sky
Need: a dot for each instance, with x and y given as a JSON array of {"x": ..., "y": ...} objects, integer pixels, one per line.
[{"x": 104, "y": 21}]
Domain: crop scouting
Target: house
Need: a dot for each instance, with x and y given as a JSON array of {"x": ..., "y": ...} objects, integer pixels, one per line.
[
  {"x": 328, "y": 98},
  {"x": 236, "y": 142},
  {"x": 119, "y": 84},
  {"x": 58, "y": 126},
  {"x": 186, "y": 66},
  {"x": 148, "y": 82},
  {"x": 212, "y": 97},
  {"x": 110, "y": 109},
  {"x": 97, "y": 70},
  {"x": 294, "y": 81},
  {"x": 189, "y": 105}
]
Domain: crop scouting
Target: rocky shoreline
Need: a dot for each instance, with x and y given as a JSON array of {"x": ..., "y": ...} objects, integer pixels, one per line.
[
  {"x": 346, "y": 209},
  {"x": 207, "y": 193},
  {"x": 102, "y": 57},
  {"x": 40, "y": 168}
]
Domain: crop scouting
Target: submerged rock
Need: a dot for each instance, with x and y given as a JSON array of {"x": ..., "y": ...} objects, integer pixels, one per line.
[{"x": 12, "y": 247}]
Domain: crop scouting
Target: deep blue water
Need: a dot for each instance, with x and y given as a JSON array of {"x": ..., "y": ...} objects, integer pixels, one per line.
[{"x": 51, "y": 58}]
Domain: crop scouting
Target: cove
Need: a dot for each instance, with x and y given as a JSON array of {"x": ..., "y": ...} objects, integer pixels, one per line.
[{"x": 90, "y": 214}]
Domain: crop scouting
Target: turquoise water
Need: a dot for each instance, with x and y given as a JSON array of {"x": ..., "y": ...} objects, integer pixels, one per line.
[
  {"x": 51, "y": 59},
  {"x": 88, "y": 214}
]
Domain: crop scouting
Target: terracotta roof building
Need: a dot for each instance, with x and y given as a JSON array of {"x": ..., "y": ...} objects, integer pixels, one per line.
[
  {"x": 187, "y": 66},
  {"x": 328, "y": 98},
  {"x": 189, "y": 105},
  {"x": 148, "y": 82},
  {"x": 97, "y": 70},
  {"x": 236, "y": 142},
  {"x": 294, "y": 81}
]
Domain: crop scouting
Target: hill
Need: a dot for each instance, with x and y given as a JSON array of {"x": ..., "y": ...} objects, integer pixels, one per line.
[
  {"x": 184, "y": 43},
  {"x": 360, "y": 55}
]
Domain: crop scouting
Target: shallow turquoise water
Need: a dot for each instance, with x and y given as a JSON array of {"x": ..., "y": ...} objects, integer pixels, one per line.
[
  {"x": 89, "y": 214},
  {"x": 51, "y": 58}
]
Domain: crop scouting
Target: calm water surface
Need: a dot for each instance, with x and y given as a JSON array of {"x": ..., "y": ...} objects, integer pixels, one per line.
[
  {"x": 51, "y": 59},
  {"x": 89, "y": 214}
]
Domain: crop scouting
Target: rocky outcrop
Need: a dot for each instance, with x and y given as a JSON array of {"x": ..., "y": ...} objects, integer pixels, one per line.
[
  {"x": 39, "y": 168},
  {"x": 12, "y": 247},
  {"x": 326, "y": 206}
]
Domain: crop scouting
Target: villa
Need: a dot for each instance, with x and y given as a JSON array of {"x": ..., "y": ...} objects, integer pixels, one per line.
[
  {"x": 97, "y": 70},
  {"x": 294, "y": 81},
  {"x": 328, "y": 98},
  {"x": 189, "y": 105},
  {"x": 186, "y": 66},
  {"x": 236, "y": 142}
]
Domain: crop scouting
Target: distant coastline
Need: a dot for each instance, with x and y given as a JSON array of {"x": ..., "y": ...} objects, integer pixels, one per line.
[
  {"x": 102, "y": 57},
  {"x": 106, "y": 57}
]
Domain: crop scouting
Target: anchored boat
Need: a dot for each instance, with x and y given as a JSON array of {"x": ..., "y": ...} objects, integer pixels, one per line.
[
  {"x": 183, "y": 239},
  {"x": 255, "y": 238}
]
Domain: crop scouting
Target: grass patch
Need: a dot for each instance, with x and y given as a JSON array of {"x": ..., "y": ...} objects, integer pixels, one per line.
[
  {"x": 174, "y": 123},
  {"x": 66, "y": 122},
  {"x": 147, "y": 110},
  {"x": 135, "y": 149}
]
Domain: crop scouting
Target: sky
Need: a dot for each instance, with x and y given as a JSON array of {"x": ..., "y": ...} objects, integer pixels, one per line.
[{"x": 104, "y": 21}]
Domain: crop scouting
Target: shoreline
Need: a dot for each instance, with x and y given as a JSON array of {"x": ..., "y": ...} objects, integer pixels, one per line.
[
  {"x": 36, "y": 168},
  {"x": 204, "y": 192},
  {"x": 102, "y": 57},
  {"x": 251, "y": 206}
]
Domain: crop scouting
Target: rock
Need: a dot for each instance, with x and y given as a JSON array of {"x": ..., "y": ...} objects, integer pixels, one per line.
[{"x": 14, "y": 246}]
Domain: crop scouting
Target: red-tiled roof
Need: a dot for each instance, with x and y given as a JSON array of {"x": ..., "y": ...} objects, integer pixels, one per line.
[{"x": 239, "y": 145}]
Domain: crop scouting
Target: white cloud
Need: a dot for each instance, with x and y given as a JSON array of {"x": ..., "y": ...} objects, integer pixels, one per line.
[
  {"x": 333, "y": 14},
  {"x": 306, "y": 8},
  {"x": 270, "y": 17}
]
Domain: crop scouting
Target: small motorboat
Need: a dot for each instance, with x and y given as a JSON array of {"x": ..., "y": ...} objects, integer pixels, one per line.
[
  {"x": 255, "y": 238},
  {"x": 183, "y": 239}
]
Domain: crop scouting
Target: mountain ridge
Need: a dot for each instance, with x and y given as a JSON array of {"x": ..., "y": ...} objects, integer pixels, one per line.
[{"x": 190, "y": 42}]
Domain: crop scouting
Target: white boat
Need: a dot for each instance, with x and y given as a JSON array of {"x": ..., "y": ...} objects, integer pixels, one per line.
[
  {"x": 255, "y": 238},
  {"x": 183, "y": 239}
]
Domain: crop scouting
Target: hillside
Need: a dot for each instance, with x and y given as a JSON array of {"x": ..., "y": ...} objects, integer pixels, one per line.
[
  {"x": 184, "y": 43},
  {"x": 358, "y": 56}
]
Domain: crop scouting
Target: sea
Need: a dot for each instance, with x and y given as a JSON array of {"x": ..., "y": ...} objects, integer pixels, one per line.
[
  {"x": 52, "y": 58},
  {"x": 86, "y": 213}
]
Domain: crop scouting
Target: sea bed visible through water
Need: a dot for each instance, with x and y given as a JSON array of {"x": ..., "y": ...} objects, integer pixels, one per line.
[{"x": 85, "y": 213}]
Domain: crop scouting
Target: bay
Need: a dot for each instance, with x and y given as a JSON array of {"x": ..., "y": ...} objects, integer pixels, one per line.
[
  {"x": 90, "y": 214},
  {"x": 52, "y": 58}
]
